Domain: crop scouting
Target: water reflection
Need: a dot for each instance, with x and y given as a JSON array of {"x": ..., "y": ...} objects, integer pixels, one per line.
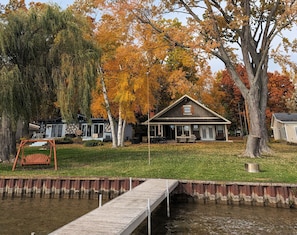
[{"x": 41, "y": 215}]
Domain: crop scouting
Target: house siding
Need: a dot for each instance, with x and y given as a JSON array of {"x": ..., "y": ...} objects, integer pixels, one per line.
[
  {"x": 291, "y": 132},
  {"x": 177, "y": 111},
  {"x": 284, "y": 126},
  {"x": 188, "y": 120}
]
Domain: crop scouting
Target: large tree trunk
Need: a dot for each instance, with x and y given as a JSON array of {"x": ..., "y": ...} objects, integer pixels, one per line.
[
  {"x": 257, "y": 142},
  {"x": 7, "y": 139},
  {"x": 254, "y": 137},
  {"x": 264, "y": 148}
]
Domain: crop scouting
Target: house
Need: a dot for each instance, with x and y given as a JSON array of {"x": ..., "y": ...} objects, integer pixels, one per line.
[
  {"x": 95, "y": 129},
  {"x": 284, "y": 126},
  {"x": 187, "y": 120}
]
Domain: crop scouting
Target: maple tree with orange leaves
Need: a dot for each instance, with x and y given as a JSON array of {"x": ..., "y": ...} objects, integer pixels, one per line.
[{"x": 280, "y": 89}]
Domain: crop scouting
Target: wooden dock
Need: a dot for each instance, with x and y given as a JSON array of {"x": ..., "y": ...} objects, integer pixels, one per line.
[{"x": 123, "y": 214}]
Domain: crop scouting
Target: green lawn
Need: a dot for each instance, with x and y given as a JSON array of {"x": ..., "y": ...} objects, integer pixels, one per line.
[{"x": 215, "y": 161}]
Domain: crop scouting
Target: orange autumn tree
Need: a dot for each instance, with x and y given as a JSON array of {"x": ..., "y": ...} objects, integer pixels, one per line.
[
  {"x": 212, "y": 95},
  {"x": 118, "y": 78},
  {"x": 280, "y": 89},
  {"x": 233, "y": 101},
  {"x": 126, "y": 85},
  {"x": 292, "y": 101},
  {"x": 179, "y": 72},
  {"x": 127, "y": 76},
  {"x": 233, "y": 32},
  {"x": 140, "y": 71}
]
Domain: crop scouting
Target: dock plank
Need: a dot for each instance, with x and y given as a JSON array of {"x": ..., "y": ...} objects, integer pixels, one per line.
[{"x": 123, "y": 214}]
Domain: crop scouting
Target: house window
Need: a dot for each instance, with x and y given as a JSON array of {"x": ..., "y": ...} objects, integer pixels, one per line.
[
  {"x": 156, "y": 130},
  {"x": 220, "y": 131},
  {"x": 187, "y": 110},
  {"x": 86, "y": 130},
  {"x": 57, "y": 130},
  {"x": 210, "y": 129},
  {"x": 98, "y": 130},
  {"x": 196, "y": 131},
  {"x": 208, "y": 132},
  {"x": 195, "y": 127},
  {"x": 183, "y": 130},
  {"x": 153, "y": 131}
]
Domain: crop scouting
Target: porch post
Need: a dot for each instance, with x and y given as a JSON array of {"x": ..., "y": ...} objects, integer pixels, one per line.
[
  {"x": 160, "y": 130},
  {"x": 226, "y": 132}
]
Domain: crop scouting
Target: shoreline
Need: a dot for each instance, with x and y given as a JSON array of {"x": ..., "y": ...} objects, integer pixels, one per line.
[{"x": 281, "y": 195}]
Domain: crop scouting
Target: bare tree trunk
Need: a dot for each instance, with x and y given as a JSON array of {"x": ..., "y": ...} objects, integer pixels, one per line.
[
  {"x": 7, "y": 139},
  {"x": 264, "y": 148},
  {"x": 253, "y": 142},
  {"x": 110, "y": 118}
]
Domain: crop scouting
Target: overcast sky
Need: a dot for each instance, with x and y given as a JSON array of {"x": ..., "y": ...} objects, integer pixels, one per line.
[{"x": 61, "y": 3}]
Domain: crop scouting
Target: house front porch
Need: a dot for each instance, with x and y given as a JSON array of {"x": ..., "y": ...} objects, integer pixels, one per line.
[{"x": 187, "y": 133}]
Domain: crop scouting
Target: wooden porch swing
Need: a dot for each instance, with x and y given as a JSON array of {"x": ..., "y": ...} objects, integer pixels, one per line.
[{"x": 36, "y": 158}]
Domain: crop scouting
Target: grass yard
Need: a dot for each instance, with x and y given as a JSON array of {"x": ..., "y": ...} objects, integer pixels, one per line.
[{"x": 214, "y": 161}]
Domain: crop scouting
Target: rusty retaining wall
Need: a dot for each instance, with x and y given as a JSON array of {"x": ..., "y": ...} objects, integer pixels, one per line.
[
  {"x": 260, "y": 194},
  {"x": 65, "y": 188},
  {"x": 241, "y": 193}
]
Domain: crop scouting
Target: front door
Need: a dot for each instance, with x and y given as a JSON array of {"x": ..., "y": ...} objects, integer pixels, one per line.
[{"x": 207, "y": 132}]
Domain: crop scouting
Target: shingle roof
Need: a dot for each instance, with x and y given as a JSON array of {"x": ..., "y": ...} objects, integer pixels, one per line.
[
  {"x": 286, "y": 117},
  {"x": 217, "y": 118}
]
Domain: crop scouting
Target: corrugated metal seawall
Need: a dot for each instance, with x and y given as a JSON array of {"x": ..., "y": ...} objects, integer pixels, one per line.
[
  {"x": 241, "y": 193},
  {"x": 260, "y": 194},
  {"x": 65, "y": 187}
]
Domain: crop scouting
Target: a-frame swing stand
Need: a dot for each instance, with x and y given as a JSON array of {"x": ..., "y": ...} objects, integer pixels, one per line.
[{"x": 36, "y": 158}]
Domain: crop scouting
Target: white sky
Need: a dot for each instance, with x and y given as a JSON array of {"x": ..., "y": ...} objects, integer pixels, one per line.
[
  {"x": 215, "y": 64},
  {"x": 61, "y": 3}
]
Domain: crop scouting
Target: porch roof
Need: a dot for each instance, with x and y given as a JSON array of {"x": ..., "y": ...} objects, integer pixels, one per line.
[{"x": 192, "y": 120}]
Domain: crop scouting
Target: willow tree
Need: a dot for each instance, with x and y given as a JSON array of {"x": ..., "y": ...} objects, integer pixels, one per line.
[
  {"x": 234, "y": 32},
  {"x": 47, "y": 62}
]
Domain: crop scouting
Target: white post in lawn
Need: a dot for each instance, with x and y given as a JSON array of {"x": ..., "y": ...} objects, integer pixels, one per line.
[{"x": 148, "y": 120}]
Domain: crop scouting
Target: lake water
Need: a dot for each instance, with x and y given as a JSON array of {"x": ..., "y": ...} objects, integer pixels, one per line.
[
  {"x": 212, "y": 219},
  {"x": 21, "y": 216},
  {"x": 40, "y": 215}
]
